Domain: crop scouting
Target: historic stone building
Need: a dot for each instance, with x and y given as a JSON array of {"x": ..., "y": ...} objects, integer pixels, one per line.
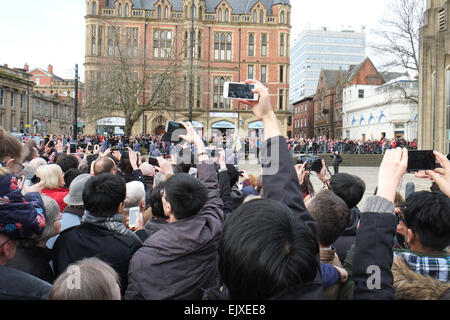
[
  {"x": 52, "y": 114},
  {"x": 234, "y": 40},
  {"x": 434, "y": 78},
  {"x": 16, "y": 87}
]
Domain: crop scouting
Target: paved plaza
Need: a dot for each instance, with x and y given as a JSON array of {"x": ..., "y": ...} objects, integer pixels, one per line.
[{"x": 368, "y": 174}]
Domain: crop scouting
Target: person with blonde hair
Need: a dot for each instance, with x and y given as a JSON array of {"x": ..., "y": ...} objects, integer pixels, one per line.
[
  {"x": 53, "y": 178},
  {"x": 96, "y": 281}
]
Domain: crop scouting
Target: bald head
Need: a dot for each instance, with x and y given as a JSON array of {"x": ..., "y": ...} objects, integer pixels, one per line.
[{"x": 104, "y": 165}]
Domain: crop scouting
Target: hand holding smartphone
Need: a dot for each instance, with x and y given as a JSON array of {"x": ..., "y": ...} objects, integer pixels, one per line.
[
  {"x": 237, "y": 90},
  {"x": 421, "y": 161},
  {"x": 133, "y": 212}
]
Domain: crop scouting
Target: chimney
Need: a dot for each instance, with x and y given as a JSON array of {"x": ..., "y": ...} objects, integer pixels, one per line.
[
  {"x": 50, "y": 69},
  {"x": 26, "y": 67}
]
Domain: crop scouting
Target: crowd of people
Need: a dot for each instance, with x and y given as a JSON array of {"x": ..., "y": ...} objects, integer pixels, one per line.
[
  {"x": 323, "y": 145},
  {"x": 207, "y": 230}
]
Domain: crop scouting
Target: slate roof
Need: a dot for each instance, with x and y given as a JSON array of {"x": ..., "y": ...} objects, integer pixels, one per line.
[{"x": 239, "y": 6}]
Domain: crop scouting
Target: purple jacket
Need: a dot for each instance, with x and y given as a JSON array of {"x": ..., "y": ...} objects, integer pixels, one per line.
[{"x": 180, "y": 260}]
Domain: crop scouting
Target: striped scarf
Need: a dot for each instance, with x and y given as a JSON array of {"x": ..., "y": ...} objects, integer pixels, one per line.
[{"x": 113, "y": 223}]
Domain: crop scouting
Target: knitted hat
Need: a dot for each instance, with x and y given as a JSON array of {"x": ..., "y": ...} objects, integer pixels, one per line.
[
  {"x": 20, "y": 217},
  {"x": 75, "y": 196}
]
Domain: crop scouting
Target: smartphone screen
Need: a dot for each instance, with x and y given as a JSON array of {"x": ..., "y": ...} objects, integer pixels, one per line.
[
  {"x": 421, "y": 160},
  {"x": 241, "y": 91},
  {"x": 91, "y": 148},
  {"x": 171, "y": 127},
  {"x": 133, "y": 216},
  {"x": 193, "y": 171},
  {"x": 73, "y": 148}
]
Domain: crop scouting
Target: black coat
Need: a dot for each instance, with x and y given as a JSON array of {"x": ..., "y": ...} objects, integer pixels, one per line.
[
  {"x": 284, "y": 187},
  {"x": 88, "y": 240},
  {"x": 18, "y": 285},
  {"x": 34, "y": 261}
]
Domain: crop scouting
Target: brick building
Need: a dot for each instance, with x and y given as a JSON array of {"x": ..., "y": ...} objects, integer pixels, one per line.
[
  {"x": 50, "y": 84},
  {"x": 233, "y": 40},
  {"x": 329, "y": 96},
  {"x": 303, "y": 118}
]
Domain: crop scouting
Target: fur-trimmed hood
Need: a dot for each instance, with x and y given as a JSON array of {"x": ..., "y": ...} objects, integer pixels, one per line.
[{"x": 410, "y": 285}]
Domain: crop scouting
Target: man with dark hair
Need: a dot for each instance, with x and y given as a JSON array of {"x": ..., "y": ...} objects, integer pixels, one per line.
[
  {"x": 158, "y": 218},
  {"x": 332, "y": 215},
  {"x": 268, "y": 248},
  {"x": 184, "y": 251},
  {"x": 101, "y": 233},
  {"x": 426, "y": 264},
  {"x": 350, "y": 189}
]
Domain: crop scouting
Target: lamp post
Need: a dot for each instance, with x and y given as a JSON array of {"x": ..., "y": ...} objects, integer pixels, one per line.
[
  {"x": 75, "y": 107},
  {"x": 191, "y": 72}
]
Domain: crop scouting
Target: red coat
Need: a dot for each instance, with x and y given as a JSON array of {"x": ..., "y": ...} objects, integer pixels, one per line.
[{"x": 57, "y": 195}]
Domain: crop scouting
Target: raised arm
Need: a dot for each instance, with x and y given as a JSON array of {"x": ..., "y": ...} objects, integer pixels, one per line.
[
  {"x": 280, "y": 181},
  {"x": 373, "y": 258},
  {"x": 206, "y": 171}
]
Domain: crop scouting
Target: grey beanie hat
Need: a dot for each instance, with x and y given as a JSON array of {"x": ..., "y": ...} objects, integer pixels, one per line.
[{"x": 75, "y": 196}]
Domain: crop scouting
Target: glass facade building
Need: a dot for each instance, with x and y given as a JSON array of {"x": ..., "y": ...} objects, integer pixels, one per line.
[{"x": 317, "y": 49}]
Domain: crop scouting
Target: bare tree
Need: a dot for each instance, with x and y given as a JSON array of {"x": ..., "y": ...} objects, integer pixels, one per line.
[
  {"x": 398, "y": 36},
  {"x": 129, "y": 85}
]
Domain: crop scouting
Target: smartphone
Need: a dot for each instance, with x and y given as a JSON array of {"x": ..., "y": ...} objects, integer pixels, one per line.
[
  {"x": 421, "y": 160},
  {"x": 193, "y": 172},
  {"x": 153, "y": 161},
  {"x": 73, "y": 148},
  {"x": 171, "y": 128},
  {"x": 236, "y": 90},
  {"x": 90, "y": 148},
  {"x": 133, "y": 216}
]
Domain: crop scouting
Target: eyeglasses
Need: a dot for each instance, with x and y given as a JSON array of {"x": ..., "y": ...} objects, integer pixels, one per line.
[
  {"x": 16, "y": 168},
  {"x": 4, "y": 243}
]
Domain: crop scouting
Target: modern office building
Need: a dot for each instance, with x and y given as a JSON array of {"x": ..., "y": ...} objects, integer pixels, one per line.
[{"x": 315, "y": 50}]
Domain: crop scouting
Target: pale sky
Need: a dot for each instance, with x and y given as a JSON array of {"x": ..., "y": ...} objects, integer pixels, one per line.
[{"x": 43, "y": 32}]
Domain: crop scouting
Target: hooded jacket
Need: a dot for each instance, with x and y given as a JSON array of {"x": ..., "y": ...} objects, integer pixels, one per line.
[
  {"x": 180, "y": 260},
  {"x": 410, "y": 285}
]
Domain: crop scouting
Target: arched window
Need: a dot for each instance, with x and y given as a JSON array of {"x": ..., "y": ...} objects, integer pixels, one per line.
[
  {"x": 119, "y": 11},
  {"x": 186, "y": 12},
  {"x": 220, "y": 15},
  {"x": 282, "y": 17},
  {"x": 166, "y": 13},
  {"x": 185, "y": 44},
  {"x": 159, "y": 12},
  {"x": 127, "y": 10},
  {"x": 261, "y": 17},
  {"x": 251, "y": 45},
  {"x": 94, "y": 8},
  {"x": 227, "y": 15},
  {"x": 255, "y": 16}
]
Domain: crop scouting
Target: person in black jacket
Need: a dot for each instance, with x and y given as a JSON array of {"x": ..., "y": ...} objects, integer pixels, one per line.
[
  {"x": 373, "y": 257},
  {"x": 101, "y": 233},
  {"x": 268, "y": 248},
  {"x": 337, "y": 161}
]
